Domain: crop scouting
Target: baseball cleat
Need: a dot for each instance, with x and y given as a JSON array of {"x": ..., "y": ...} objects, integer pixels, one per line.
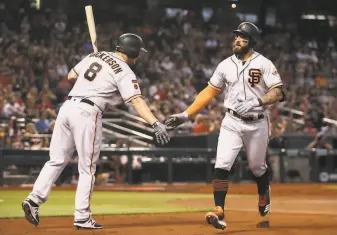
[
  {"x": 87, "y": 224},
  {"x": 264, "y": 203},
  {"x": 31, "y": 211},
  {"x": 216, "y": 217}
]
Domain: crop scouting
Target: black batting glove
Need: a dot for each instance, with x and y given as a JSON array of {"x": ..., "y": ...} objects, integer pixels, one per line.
[{"x": 160, "y": 132}]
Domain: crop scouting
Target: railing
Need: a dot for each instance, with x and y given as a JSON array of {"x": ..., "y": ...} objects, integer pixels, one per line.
[
  {"x": 136, "y": 128},
  {"x": 126, "y": 114},
  {"x": 119, "y": 120},
  {"x": 300, "y": 115},
  {"x": 130, "y": 131},
  {"x": 138, "y": 138},
  {"x": 130, "y": 139},
  {"x": 171, "y": 157}
]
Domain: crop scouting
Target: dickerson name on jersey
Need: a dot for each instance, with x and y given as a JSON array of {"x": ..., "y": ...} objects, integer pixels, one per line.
[{"x": 109, "y": 60}]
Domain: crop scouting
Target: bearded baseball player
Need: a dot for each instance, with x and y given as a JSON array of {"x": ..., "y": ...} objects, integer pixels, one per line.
[
  {"x": 101, "y": 79},
  {"x": 250, "y": 83}
]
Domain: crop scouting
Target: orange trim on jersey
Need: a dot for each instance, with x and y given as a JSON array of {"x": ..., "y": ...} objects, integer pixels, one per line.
[
  {"x": 265, "y": 162},
  {"x": 276, "y": 85},
  {"x": 215, "y": 87},
  {"x": 132, "y": 97},
  {"x": 91, "y": 162},
  {"x": 75, "y": 71}
]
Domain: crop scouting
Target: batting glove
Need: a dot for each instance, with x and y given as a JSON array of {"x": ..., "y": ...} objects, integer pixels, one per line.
[
  {"x": 242, "y": 107},
  {"x": 160, "y": 132},
  {"x": 176, "y": 120}
]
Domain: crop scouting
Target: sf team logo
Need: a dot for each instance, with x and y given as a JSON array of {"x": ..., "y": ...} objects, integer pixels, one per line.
[{"x": 254, "y": 77}]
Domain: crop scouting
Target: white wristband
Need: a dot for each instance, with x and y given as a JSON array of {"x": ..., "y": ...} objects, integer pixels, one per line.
[
  {"x": 185, "y": 114},
  {"x": 256, "y": 103}
]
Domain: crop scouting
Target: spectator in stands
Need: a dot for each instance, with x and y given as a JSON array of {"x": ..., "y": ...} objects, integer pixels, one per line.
[
  {"x": 36, "y": 52},
  {"x": 30, "y": 139},
  {"x": 3, "y": 133},
  {"x": 31, "y": 109},
  {"x": 201, "y": 124},
  {"x": 16, "y": 142},
  {"x": 320, "y": 140},
  {"x": 32, "y": 94},
  {"x": 42, "y": 124},
  {"x": 47, "y": 92},
  {"x": 315, "y": 115},
  {"x": 12, "y": 108}
]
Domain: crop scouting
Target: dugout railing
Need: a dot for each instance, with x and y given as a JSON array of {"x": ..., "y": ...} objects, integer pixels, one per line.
[{"x": 173, "y": 156}]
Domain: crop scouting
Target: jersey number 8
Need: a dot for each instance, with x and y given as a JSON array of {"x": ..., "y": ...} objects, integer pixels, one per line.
[{"x": 92, "y": 71}]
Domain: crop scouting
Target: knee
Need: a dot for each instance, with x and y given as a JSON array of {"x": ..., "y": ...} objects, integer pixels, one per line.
[
  {"x": 258, "y": 169},
  {"x": 57, "y": 162},
  {"x": 220, "y": 174},
  {"x": 223, "y": 165}
]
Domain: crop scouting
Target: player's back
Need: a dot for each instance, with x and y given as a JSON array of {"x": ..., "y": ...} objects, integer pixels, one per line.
[{"x": 97, "y": 75}]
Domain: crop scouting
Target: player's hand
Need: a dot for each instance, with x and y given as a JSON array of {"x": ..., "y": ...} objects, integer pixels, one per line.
[
  {"x": 161, "y": 133},
  {"x": 176, "y": 120},
  {"x": 242, "y": 107}
]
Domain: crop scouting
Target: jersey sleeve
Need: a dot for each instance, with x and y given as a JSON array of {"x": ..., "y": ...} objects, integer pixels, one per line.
[
  {"x": 271, "y": 76},
  {"x": 128, "y": 87},
  {"x": 80, "y": 65},
  {"x": 217, "y": 81}
]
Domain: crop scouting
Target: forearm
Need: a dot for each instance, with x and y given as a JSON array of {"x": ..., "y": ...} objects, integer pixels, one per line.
[
  {"x": 143, "y": 110},
  {"x": 273, "y": 96},
  {"x": 202, "y": 99}
]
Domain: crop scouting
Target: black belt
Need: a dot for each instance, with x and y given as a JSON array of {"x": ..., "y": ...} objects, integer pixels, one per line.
[
  {"x": 249, "y": 117},
  {"x": 84, "y": 101}
]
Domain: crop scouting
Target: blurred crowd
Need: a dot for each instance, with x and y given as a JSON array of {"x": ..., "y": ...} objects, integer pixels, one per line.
[{"x": 38, "y": 50}]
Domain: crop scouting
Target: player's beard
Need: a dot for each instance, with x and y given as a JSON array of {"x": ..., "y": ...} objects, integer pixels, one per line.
[{"x": 241, "y": 51}]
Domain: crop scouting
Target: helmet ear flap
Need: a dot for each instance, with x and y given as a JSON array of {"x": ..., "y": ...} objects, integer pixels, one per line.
[
  {"x": 251, "y": 42},
  {"x": 118, "y": 48}
]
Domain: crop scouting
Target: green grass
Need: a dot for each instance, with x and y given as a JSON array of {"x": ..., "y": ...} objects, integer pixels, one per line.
[{"x": 61, "y": 203}]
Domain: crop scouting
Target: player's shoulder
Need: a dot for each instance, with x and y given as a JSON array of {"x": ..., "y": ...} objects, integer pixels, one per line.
[
  {"x": 121, "y": 62},
  {"x": 258, "y": 57},
  {"x": 118, "y": 66},
  {"x": 225, "y": 62}
]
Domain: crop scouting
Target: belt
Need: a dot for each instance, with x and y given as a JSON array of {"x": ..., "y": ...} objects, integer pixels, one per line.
[
  {"x": 89, "y": 102},
  {"x": 250, "y": 117}
]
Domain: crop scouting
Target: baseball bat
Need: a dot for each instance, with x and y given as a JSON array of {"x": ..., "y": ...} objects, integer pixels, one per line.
[{"x": 91, "y": 25}]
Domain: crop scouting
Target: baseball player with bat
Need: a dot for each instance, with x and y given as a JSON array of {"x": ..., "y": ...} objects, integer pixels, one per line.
[
  {"x": 102, "y": 78},
  {"x": 250, "y": 82}
]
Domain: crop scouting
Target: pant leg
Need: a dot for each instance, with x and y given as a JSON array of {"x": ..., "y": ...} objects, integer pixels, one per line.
[
  {"x": 88, "y": 139},
  {"x": 62, "y": 147},
  {"x": 229, "y": 143},
  {"x": 256, "y": 140}
]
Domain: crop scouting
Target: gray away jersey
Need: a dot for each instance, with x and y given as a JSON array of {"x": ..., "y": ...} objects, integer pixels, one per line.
[
  {"x": 252, "y": 79},
  {"x": 105, "y": 78}
]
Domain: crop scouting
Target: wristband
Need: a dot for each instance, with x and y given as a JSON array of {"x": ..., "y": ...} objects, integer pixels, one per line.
[
  {"x": 185, "y": 114},
  {"x": 155, "y": 124}
]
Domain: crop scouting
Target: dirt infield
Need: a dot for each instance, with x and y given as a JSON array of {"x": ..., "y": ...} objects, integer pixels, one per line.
[{"x": 296, "y": 209}]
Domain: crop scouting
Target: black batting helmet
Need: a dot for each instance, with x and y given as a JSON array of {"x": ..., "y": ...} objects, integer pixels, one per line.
[
  {"x": 250, "y": 30},
  {"x": 130, "y": 44}
]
